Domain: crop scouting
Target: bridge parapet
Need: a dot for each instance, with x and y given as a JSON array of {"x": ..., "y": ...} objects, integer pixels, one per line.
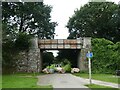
[{"x": 60, "y": 43}]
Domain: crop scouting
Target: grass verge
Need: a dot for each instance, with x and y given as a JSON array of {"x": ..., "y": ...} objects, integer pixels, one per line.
[
  {"x": 99, "y": 87},
  {"x": 21, "y": 81},
  {"x": 102, "y": 77}
]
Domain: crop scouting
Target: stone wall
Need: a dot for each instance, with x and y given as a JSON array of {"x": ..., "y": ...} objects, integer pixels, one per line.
[
  {"x": 30, "y": 61},
  {"x": 82, "y": 60},
  {"x": 34, "y": 62},
  {"x": 22, "y": 63}
]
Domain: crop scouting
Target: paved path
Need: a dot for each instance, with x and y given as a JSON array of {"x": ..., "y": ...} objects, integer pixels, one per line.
[
  {"x": 113, "y": 85},
  {"x": 69, "y": 81},
  {"x": 61, "y": 81}
]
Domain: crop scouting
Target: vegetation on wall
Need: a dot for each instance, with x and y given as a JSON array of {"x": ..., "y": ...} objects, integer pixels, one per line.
[{"x": 11, "y": 49}]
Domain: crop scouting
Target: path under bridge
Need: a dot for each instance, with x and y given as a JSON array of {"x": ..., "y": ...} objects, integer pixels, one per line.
[{"x": 82, "y": 44}]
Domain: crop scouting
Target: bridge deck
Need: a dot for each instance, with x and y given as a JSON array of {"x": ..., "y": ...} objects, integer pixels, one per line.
[{"x": 60, "y": 43}]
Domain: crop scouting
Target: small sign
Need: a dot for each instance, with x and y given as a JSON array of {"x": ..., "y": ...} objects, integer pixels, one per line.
[{"x": 89, "y": 55}]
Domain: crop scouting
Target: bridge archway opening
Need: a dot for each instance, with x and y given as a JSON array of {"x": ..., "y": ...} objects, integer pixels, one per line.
[
  {"x": 81, "y": 46},
  {"x": 70, "y": 55}
]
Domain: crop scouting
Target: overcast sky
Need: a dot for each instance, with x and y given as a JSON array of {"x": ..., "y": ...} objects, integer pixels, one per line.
[{"x": 62, "y": 10}]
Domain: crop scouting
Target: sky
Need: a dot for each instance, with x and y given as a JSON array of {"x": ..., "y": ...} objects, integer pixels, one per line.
[{"x": 61, "y": 11}]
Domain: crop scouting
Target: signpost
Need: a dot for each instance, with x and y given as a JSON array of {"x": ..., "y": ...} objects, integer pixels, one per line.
[{"x": 89, "y": 55}]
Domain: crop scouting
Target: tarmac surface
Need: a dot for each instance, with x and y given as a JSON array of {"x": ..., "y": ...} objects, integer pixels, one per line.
[{"x": 69, "y": 81}]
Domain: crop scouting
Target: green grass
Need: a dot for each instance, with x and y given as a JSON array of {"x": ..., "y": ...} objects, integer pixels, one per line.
[
  {"x": 21, "y": 81},
  {"x": 99, "y": 87},
  {"x": 29, "y": 74},
  {"x": 0, "y": 81},
  {"x": 102, "y": 77}
]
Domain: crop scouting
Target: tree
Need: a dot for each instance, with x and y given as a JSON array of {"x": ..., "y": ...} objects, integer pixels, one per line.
[
  {"x": 48, "y": 58},
  {"x": 71, "y": 55},
  {"x": 20, "y": 22},
  {"x": 96, "y": 19},
  {"x": 27, "y": 17}
]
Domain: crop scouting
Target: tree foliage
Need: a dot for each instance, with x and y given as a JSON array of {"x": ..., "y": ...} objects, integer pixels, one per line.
[
  {"x": 106, "y": 58},
  {"x": 28, "y": 17},
  {"x": 96, "y": 19},
  {"x": 71, "y": 55},
  {"x": 48, "y": 58},
  {"x": 101, "y": 20},
  {"x": 20, "y": 22}
]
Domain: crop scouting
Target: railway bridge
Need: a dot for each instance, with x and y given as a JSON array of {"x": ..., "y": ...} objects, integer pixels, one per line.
[{"x": 83, "y": 44}]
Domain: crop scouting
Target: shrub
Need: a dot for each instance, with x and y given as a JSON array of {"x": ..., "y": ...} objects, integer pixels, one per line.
[
  {"x": 67, "y": 67},
  {"x": 52, "y": 66},
  {"x": 106, "y": 56}
]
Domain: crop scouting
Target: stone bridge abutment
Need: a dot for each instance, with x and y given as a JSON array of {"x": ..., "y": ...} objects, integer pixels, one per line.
[{"x": 34, "y": 61}]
